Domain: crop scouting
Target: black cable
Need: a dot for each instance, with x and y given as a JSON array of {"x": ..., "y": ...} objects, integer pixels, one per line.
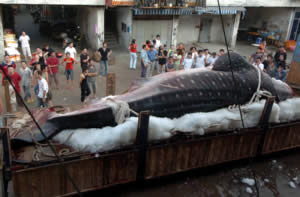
[
  {"x": 42, "y": 132},
  {"x": 233, "y": 78},
  {"x": 230, "y": 63}
]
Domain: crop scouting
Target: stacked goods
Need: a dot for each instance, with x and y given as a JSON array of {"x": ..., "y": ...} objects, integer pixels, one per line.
[
  {"x": 11, "y": 45},
  {"x": 13, "y": 53},
  {"x": 10, "y": 40}
]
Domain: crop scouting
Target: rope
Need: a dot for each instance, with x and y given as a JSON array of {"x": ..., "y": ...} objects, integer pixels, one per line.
[
  {"x": 59, "y": 159},
  {"x": 230, "y": 63},
  {"x": 259, "y": 93},
  {"x": 121, "y": 109},
  {"x": 36, "y": 155}
]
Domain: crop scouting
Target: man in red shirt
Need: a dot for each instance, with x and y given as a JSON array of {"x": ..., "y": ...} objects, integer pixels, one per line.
[
  {"x": 69, "y": 69},
  {"x": 16, "y": 79},
  {"x": 7, "y": 63},
  {"x": 53, "y": 63}
]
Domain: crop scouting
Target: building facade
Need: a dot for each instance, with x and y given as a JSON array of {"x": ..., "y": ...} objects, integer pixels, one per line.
[{"x": 187, "y": 21}]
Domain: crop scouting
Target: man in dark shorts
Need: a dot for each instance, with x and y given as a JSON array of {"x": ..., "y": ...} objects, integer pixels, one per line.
[
  {"x": 84, "y": 58},
  {"x": 69, "y": 69}
]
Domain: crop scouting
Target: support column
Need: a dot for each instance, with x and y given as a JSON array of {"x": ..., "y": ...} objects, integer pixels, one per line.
[
  {"x": 235, "y": 28},
  {"x": 94, "y": 30},
  {"x": 175, "y": 30},
  {"x": 1, "y": 35}
]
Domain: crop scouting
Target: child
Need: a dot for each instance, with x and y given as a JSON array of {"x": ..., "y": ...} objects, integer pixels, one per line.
[
  {"x": 188, "y": 61},
  {"x": 92, "y": 77},
  {"x": 171, "y": 51},
  {"x": 69, "y": 69},
  {"x": 200, "y": 60},
  {"x": 85, "y": 90}
]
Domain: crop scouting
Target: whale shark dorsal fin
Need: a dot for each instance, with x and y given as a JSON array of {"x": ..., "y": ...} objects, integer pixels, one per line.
[{"x": 238, "y": 63}]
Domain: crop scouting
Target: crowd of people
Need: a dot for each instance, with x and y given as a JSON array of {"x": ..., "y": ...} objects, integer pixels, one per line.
[
  {"x": 275, "y": 66},
  {"x": 39, "y": 72},
  {"x": 41, "y": 69},
  {"x": 156, "y": 57}
]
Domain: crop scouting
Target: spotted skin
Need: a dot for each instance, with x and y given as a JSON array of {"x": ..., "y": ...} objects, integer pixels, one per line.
[{"x": 172, "y": 95}]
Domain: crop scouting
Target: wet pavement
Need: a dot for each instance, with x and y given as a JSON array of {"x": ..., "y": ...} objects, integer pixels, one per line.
[{"x": 275, "y": 176}]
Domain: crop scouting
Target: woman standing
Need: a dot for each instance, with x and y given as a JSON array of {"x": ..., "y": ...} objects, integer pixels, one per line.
[
  {"x": 132, "y": 47},
  {"x": 162, "y": 58},
  {"x": 177, "y": 58}
]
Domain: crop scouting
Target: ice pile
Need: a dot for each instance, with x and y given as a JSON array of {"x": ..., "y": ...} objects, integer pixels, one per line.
[{"x": 108, "y": 138}]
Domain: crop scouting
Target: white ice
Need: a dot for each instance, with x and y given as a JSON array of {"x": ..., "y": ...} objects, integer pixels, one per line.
[
  {"x": 108, "y": 138},
  {"x": 248, "y": 181},
  {"x": 292, "y": 184},
  {"x": 249, "y": 190}
]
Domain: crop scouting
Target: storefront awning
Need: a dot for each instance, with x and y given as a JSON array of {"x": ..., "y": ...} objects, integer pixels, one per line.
[
  {"x": 215, "y": 10},
  {"x": 155, "y": 11}
]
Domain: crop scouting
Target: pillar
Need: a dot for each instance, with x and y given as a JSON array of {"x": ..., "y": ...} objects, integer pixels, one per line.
[
  {"x": 92, "y": 26},
  {"x": 235, "y": 29},
  {"x": 1, "y": 35},
  {"x": 175, "y": 30}
]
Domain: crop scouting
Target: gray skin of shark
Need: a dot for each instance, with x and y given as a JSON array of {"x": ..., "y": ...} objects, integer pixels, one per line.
[{"x": 172, "y": 95}]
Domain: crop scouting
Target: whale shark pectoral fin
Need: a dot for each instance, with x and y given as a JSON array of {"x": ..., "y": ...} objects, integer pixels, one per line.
[{"x": 31, "y": 137}]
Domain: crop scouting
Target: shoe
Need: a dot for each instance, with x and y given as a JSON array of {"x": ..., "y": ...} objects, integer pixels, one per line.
[{"x": 30, "y": 101}]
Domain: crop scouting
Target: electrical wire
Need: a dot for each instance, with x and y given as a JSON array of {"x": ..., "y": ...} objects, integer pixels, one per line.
[
  {"x": 230, "y": 63},
  {"x": 233, "y": 78},
  {"x": 42, "y": 132}
]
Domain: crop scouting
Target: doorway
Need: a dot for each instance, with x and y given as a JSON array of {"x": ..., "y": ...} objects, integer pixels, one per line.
[{"x": 205, "y": 29}]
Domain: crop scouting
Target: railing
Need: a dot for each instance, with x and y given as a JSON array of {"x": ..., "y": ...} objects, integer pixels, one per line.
[{"x": 170, "y": 3}]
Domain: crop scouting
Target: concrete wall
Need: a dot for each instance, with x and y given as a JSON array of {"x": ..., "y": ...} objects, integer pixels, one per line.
[
  {"x": 92, "y": 21},
  {"x": 275, "y": 18},
  {"x": 55, "y": 2},
  {"x": 217, "y": 31},
  {"x": 187, "y": 31},
  {"x": 124, "y": 15}
]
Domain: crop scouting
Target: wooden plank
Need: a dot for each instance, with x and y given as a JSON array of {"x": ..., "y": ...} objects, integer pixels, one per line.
[
  {"x": 293, "y": 74},
  {"x": 110, "y": 84},
  {"x": 142, "y": 143},
  {"x": 7, "y": 97}
]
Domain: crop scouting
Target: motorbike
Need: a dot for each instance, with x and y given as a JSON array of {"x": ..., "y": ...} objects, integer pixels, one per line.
[{"x": 71, "y": 36}]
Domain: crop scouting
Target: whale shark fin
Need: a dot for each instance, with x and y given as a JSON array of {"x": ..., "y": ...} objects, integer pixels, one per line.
[{"x": 238, "y": 62}]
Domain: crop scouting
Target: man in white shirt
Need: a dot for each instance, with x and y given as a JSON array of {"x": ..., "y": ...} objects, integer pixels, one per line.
[
  {"x": 24, "y": 40},
  {"x": 259, "y": 64},
  {"x": 158, "y": 43},
  {"x": 200, "y": 60},
  {"x": 70, "y": 49},
  {"x": 188, "y": 61},
  {"x": 206, "y": 55},
  {"x": 212, "y": 59},
  {"x": 43, "y": 89}
]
